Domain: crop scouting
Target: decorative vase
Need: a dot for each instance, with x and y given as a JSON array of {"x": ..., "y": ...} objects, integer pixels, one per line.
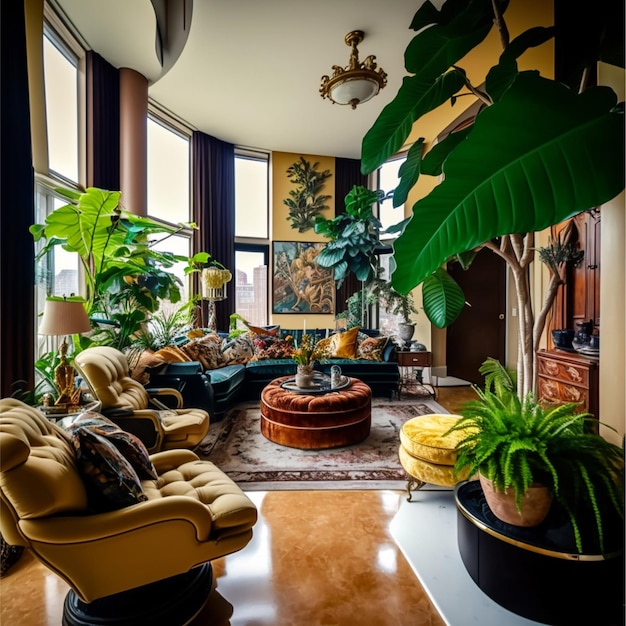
[
  {"x": 304, "y": 376},
  {"x": 535, "y": 504},
  {"x": 405, "y": 332}
]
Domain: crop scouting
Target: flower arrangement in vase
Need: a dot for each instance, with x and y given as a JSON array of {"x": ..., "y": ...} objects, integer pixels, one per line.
[{"x": 305, "y": 356}]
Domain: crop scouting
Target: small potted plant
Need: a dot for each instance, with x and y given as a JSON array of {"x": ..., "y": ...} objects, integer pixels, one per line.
[{"x": 514, "y": 444}]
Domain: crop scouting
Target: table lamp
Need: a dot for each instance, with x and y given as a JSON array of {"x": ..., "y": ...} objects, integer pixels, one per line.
[
  {"x": 62, "y": 317},
  {"x": 213, "y": 282}
]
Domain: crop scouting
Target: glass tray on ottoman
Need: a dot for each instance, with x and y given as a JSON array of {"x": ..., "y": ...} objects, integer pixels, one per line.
[{"x": 321, "y": 385}]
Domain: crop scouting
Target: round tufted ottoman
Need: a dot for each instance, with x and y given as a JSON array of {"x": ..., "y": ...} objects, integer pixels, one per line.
[
  {"x": 312, "y": 422},
  {"x": 426, "y": 455}
]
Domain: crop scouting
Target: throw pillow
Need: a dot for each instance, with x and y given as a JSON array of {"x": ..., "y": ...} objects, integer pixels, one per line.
[
  {"x": 110, "y": 479},
  {"x": 129, "y": 445},
  {"x": 172, "y": 354},
  {"x": 323, "y": 348},
  {"x": 371, "y": 348},
  {"x": 208, "y": 351},
  {"x": 343, "y": 345},
  {"x": 265, "y": 331},
  {"x": 237, "y": 350},
  {"x": 272, "y": 348},
  {"x": 141, "y": 362}
]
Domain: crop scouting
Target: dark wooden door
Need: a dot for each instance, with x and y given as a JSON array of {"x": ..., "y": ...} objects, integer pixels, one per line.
[{"x": 480, "y": 330}]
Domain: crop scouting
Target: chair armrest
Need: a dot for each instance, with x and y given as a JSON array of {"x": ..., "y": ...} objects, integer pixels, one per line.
[
  {"x": 98, "y": 526},
  {"x": 143, "y": 423},
  {"x": 165, "y": 392}
]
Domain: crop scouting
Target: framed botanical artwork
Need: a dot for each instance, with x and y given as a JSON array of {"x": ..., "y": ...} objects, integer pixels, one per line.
[{"x": 299, "y": 284}]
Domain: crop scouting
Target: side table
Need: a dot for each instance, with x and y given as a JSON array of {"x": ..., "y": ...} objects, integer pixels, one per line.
[
  {"x": 55, "y": 415},
  {"x": 411, "y": 366}
]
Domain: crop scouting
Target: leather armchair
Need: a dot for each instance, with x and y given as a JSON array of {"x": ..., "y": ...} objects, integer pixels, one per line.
[
  {"x": 137, "y": 409},
  {"x": 192, "y": 513}
]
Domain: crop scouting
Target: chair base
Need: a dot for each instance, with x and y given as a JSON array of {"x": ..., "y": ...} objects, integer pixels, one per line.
[{"x": 174, "y": 601}]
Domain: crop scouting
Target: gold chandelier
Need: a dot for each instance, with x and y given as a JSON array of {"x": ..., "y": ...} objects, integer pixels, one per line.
[{"x": 357, "y": 82}]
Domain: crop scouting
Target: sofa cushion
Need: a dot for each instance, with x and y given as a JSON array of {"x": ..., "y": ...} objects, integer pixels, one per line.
[{"x": 110, "y": 479}]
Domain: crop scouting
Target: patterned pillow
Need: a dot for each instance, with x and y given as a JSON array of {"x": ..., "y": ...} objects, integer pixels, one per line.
[
  {"x": 208, "y": 351},
  {"x": 238, "y": 350},
  {"x": 272, "y": 348},
  {"x": 371, "y": 348},
  {"x": 323, "y": 348},
  {"x": 110, "y": 479},
  {"x": 131, "y": 447},
  {"x": 141, "y": 361}
]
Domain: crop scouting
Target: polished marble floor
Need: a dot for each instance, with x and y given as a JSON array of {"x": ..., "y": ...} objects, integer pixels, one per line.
[{"x": 317, "y": 558}]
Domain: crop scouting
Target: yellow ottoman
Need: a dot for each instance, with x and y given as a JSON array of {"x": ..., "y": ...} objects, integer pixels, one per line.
[{"x": 426, "y": 455}]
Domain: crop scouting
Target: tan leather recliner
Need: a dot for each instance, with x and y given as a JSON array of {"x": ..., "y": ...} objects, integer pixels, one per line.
[
  {"x": 129, "y": 404},
  {"x": 193, "y": 514}
]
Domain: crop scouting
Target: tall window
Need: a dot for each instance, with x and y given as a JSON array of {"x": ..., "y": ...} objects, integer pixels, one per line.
[
  {"x": 168, "y": 188},
  {"x": 388, "y": 179},
  {"x": 61, "y": 89},
  {"x": 251, "y": 235},
  {"x": 59, "y": 272}
]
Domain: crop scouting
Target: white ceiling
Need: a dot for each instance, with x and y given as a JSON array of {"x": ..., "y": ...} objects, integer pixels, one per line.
[{"x": 251, "y": 70}]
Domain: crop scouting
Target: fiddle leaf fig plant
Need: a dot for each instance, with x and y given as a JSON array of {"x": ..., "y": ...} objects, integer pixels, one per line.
[
  {"x": 354, "y": 236},
  {"x": 538, "y": 152}
]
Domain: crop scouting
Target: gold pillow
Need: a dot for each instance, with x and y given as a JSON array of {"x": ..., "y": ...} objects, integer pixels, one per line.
[{"x": 343, "y": 345}]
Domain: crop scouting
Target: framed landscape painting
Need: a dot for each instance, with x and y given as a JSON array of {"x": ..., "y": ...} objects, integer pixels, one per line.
[{"x": 299, "y": 284}]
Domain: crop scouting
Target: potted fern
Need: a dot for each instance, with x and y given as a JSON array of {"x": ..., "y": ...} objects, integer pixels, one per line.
[{"x": 513, "y": 444}]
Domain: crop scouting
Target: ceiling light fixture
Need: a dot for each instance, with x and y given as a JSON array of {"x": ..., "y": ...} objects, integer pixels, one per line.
[{"x": 357, "y": 82}]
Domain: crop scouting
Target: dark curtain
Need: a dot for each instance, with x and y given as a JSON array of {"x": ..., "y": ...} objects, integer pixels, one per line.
[
  {"x": 17, "y": 208},
  {"x": 347, "y": 174},
  {"x": 103, "y": 123},
  {"x": 214, "y": 211}
]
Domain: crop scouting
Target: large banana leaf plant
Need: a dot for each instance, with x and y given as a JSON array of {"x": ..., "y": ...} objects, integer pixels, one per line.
[
  {"x": 126, "y": 277},
  {"x": 537, "y": 153}
]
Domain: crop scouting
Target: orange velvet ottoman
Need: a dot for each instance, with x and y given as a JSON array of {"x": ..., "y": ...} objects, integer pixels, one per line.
[
  {"x": 428, "y": 456},
  {"x": 314, "y": 422}
]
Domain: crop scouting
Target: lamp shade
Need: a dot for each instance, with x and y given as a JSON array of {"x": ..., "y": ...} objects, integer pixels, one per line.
[
  {"x": 64, "y": 317},
  {"x": 355, "y": 90},
  {"x": 214, "y": 281}
]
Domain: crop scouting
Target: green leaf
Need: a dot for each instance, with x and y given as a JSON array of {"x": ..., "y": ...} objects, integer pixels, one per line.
[
  {"x": 460, "y": 28},
  {"x": 442, "y": 298},
  {"x": 564, "y": 154},
  {"x": 501, "y": 76},
  {"x": 432, "y": 162},
  {"x": 409, "y": 173},
  {"x": 417, "y": 96}
]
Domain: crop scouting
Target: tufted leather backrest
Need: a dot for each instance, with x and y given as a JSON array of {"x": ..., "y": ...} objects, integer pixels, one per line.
[
  {"x": 38, "y": 473},
  {"x": 105, "y": 369}
]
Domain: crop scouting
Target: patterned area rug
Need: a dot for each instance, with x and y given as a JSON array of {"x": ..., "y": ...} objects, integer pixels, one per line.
[{"x": 238, "y": 448}]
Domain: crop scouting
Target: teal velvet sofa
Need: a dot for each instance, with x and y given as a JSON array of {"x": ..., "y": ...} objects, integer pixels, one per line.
[{"x": 228, "y": 371}]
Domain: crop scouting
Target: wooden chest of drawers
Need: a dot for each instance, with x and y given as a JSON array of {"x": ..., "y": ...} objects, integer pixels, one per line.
[{"x": 568, "y": 377}]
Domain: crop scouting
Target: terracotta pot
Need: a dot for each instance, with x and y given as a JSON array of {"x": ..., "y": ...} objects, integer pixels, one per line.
[{"x": 535, "y": 504}]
